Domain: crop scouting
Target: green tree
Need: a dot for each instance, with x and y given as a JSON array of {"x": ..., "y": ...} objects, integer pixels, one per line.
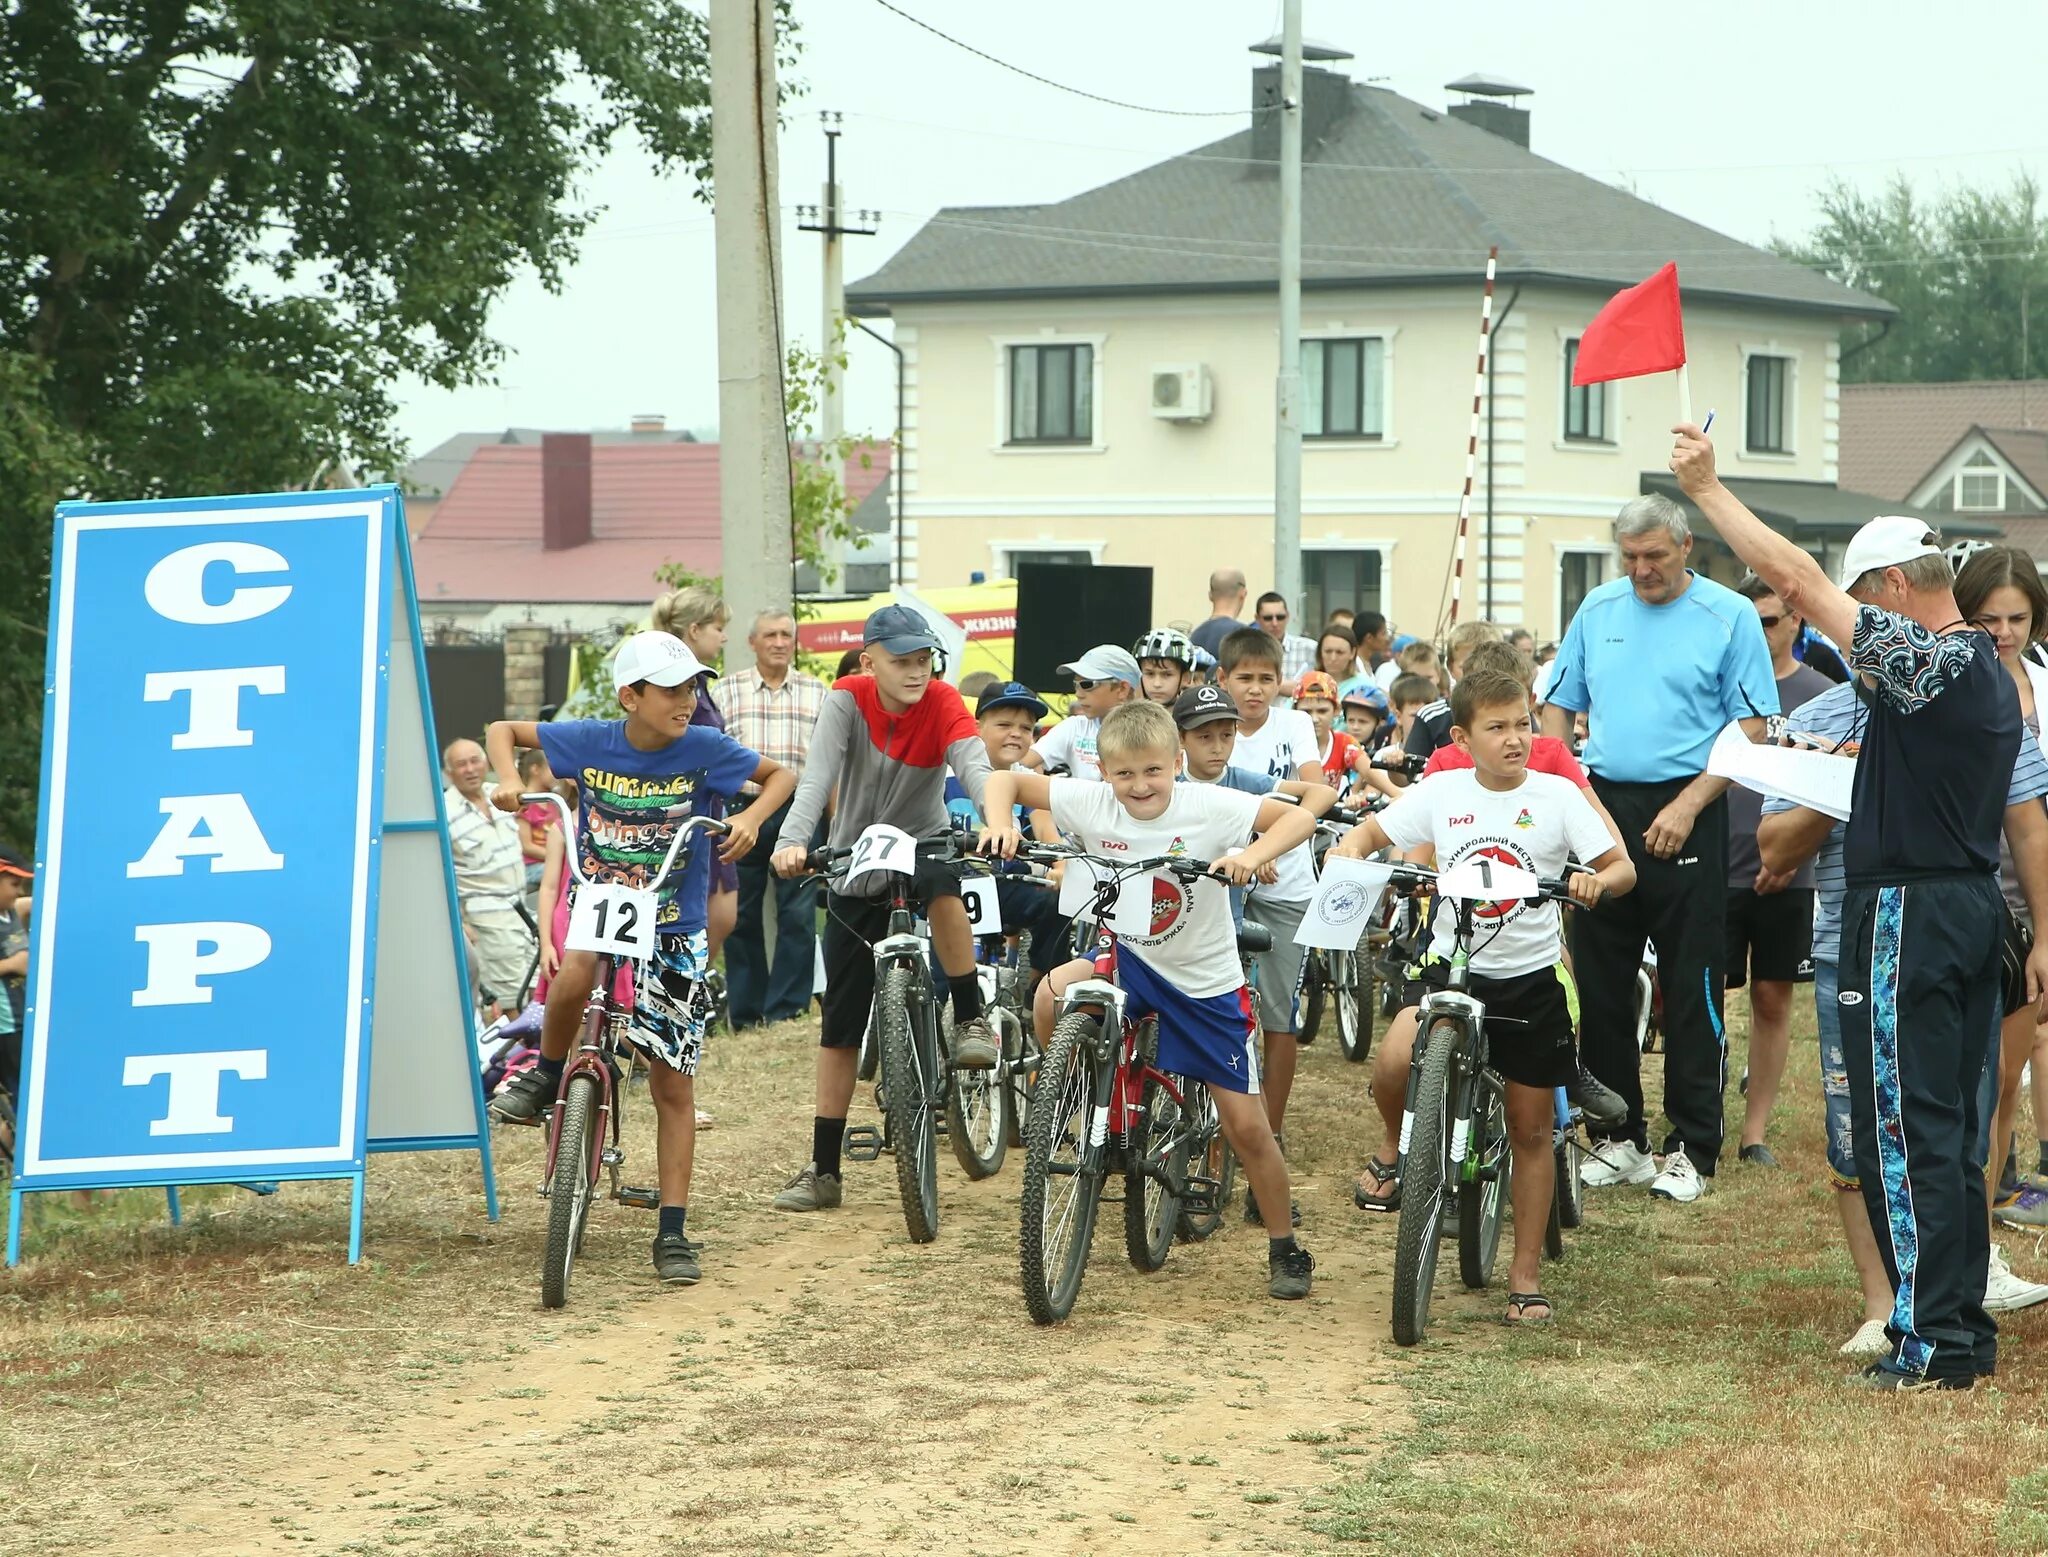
[
  {"x": 1967, "y": 269},
  {"x": 227, "y": 226}
]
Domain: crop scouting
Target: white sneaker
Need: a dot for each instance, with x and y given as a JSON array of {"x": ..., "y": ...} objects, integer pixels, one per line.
[
  {"x": 2004, "y": 1292},
  {"x": 1680, "y": 1180},
  {"x": 1617, "y": 1162},
  {"x": 1868, "y": 1343}
]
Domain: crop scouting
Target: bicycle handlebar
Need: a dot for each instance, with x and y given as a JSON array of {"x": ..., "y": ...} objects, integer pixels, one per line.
[
  {"x": 1556, "y": 889},
  {"x": 689, "y": 825}
]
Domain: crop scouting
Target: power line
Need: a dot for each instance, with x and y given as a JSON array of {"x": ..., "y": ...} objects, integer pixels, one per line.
[{"x": 1061, "y": 86}]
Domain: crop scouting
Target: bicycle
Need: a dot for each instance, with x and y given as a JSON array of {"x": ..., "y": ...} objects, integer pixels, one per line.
[
  {"x": 584, "y": 1123},
  {"x": 1454, "y": 1143},
  {"x": 1101, "y": 1105},
  {"x": 987, "y": 1112},
  {"x": 904, "y": 1030},
  {"x": 1339, "y": 981}
]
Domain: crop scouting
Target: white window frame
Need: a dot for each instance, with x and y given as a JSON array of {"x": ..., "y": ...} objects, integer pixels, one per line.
[
  {"x": 1000, "y": 553},
  {"x": 1789, "y": 455},
  {"x": 1559, "y": 551},
  {"x": 1563, "y": 442},
  {"x": 1956, "y": 488},
  {"x": 1097, "y": 443},
  {"x": 1351, "y": 543},
  {"x": 1338, "y": 330}
]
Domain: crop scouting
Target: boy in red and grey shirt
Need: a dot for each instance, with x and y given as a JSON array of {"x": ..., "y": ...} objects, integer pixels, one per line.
[{"x": 884, "y": 739}]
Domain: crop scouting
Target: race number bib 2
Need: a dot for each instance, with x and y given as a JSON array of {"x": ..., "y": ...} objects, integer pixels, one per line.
[
  {"x": 616, "y": 920},
  {"x": 984, "y": 908},
  {"x": 884, "y": 848}
]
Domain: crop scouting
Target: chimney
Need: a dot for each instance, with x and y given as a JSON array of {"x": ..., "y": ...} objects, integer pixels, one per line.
[
  {"x": 1489, "y": 105},
  {"x": 1325, "y": 99},
  {"x": 648, "y": 424},
  {"x": 564, "y": 490}
]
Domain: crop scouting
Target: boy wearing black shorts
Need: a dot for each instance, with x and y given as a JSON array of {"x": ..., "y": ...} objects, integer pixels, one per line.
[{"x": 1535, "y": 822}]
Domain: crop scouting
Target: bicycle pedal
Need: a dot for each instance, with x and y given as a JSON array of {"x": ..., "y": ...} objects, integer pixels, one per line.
[
  {"x": 862, "y": 1143},
  {"x": 645, "y": 1199}
]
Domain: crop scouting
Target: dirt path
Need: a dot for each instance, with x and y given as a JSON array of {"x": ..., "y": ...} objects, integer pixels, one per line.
[{"x": 832, "y": 1388}]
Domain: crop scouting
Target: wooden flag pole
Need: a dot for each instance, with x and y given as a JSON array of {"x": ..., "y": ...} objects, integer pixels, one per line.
[
  {"x": 1684, "y": 395},
  {"x": 1472, "y": 439}
]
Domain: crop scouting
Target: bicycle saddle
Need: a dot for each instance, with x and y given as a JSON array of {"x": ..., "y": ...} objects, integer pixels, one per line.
[{"x": 1253, "y": 939}]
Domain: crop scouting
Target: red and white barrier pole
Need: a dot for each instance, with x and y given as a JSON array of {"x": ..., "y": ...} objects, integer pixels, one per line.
[{"x": 1472, "y": 441}]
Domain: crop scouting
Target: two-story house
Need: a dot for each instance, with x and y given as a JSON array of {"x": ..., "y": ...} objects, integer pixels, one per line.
[{"x": 1092, "y": 380}]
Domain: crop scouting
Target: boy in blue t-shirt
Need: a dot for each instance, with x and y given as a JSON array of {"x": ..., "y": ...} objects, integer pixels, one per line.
[{"x": 638, "y": 778}]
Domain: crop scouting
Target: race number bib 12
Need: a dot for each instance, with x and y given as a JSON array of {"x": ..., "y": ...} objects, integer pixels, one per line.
[
  {"x": 613, "y": 919},
  {"x": 884, "y": 848},
  {"x": 984, "y": 908}
]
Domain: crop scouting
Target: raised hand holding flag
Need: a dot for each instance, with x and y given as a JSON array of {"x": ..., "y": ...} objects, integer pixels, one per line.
[{"x": 1641, "y": 330}]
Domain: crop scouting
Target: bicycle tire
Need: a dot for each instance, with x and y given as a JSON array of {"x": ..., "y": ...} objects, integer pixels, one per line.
[
  {"x": 1483, "y": 1201},
  {"x": 1553, "y": 1226},
  {"x": 1571, "y": 1189},
  {"x": 977, "y": 1120},
  {"x": 567, "y": 1212},
  {"x": 1151, "y": 1210},
  {"x": 1211, "y": 1154},
  {"x": 1020, "y": 1082},
  {"x": 1423, "y": 1186},
  {"x": 1315, "y": 989},
  {"x": 1052, "y": 1268},
  {"x": 908, "y": 1062},
  {"x": 1352, "y": 1009}
]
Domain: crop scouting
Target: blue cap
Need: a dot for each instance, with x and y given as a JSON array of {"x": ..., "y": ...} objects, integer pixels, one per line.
[
  {"x": 900, "y": 630},
  {"x": 1009, "y": 694}
]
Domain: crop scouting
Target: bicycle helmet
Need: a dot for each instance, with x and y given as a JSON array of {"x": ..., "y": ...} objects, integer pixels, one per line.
[
  {"x": 1962, "y": 551},
  {"x": 1165, "y": 643}
]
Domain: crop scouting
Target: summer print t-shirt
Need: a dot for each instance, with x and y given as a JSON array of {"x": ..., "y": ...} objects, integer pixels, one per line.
[
  {"x": 1190, "y": 940},
  {"x": 632, "y": 802},
  {"x": 1071, "y": 744},
  {"x": 1535, "y": 827}
]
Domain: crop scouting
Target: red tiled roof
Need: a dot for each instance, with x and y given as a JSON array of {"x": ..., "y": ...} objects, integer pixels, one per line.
[
  {"x": 1892, "y": 435},
  {"x": 650, "y": 504}
]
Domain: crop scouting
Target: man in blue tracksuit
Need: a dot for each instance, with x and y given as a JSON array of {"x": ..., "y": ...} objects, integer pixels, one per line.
[{"x": 1921, "y": 924}]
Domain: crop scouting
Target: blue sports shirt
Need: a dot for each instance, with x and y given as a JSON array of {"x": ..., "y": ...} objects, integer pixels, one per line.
[{"x": 1659, "y": 683}]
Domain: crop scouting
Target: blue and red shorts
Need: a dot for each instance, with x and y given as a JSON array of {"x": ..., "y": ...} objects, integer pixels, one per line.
[{"x": 1212, "y": 1039}]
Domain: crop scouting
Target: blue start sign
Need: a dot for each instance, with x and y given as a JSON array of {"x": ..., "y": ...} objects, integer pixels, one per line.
[{"x": 203, "y": 971}]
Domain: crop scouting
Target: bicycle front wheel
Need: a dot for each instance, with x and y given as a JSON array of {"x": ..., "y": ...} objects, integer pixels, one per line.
[
  {"x": 1571, "y": 1189},
  {"x": 571, "y": 1188},
  {"x": 1315, "y": 993},
  {"x": 1483, "y": 1194},
  {"x": 1062, "y": 1173},
  {"x": 1425, "y": 1183},
  {"x": 1212, "y": 1167},
  {"x": 977, "y": 1113},
  {"x": 1158, "y": 1157},
  {"x": 1351, "y": 1004},
  {"x": 905, "y": 1025}
]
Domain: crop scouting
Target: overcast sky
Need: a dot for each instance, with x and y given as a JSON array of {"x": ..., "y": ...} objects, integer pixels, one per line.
[{"x": 1732, "y": 113}]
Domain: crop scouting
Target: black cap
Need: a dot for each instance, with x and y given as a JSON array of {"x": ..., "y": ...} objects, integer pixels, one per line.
[
  {"x": 1009, "y": 694},
  {"x": 1204, "y": 705}
]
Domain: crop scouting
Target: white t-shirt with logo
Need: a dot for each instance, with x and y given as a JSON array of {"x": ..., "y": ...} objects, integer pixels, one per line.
[
  {"x": 1535, "y": 827},
  {"x": 1278, "y": 748},
  {"x": 1071, "y": 744},
  {"x": 1192, "y": 940}
]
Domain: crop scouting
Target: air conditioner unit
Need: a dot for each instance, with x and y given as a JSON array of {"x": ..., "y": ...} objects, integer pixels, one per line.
[{"x": 1181, "y": 394}]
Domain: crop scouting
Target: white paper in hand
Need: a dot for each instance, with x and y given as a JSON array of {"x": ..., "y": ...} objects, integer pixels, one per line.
[
  {"x": 1817, "y": 780},
  {"x": 1346, "y": 901}
]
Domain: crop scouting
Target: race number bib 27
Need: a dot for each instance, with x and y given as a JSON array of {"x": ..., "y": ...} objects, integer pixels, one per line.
[
  {"x": 612, "y": 919},
  {"x": 883, "y": 848}
]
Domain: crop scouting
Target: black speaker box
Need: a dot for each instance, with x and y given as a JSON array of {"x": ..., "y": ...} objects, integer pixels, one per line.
[{"x": 1064, "y": 610}]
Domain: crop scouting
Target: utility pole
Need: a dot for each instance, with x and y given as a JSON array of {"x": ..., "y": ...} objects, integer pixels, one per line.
[
  {"x": 826, "y": 220},
  {"x": 753, "y": 428},
  {"x": 1287, "y": 391}
]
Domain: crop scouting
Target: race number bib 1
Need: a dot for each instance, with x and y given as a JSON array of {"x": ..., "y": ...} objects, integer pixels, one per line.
[
  {"x": 984, "y": 908},
  {"x": 613, "y": 919},
  {"x": 1479, "y": 879},
  {"x": 882, "y": 847}
]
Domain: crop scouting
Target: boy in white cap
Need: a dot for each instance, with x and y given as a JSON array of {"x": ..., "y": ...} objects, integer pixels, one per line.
[
  {"x": 1105, "y": 678},
  {"x": 638, "y": 778}
]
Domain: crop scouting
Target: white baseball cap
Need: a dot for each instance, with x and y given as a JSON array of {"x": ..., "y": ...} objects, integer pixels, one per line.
[
  {"x": 1105, "y": 662},
  {"x": 661, "y": 658},
  {"x": 1887, "y": 541}
]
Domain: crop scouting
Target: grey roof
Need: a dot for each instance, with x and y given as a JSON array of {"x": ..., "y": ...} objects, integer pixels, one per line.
[
  {"x": 1809, "y": 509},
  {"x": 434, "y": 472},
  {"x": 1394, "y": 193},
  {"x": 1480, "y": 84}
]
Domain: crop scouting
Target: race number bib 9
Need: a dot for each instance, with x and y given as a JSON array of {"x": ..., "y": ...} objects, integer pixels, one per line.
[
  {"x": 884, "y": 848},
  {"x": 613, "y": 919},
  {"x": 984, "y": 908}
]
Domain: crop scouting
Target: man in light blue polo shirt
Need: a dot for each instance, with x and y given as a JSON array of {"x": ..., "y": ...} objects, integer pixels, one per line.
[{"x": 1660, "y": 661}]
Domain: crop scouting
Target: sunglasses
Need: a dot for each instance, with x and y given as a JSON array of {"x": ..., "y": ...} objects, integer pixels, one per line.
[
  {"x": 1088, "y": 686},
  {"x": 1770, "y": 621},
  {"x": 1267, "y": 616}
]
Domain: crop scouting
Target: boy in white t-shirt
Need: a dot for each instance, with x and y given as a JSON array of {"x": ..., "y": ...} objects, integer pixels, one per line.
[
  {"x": 1105, "y": 678},
  {"x": 1280, "y": 742},
  {"x": 1535, "y": 822},
  {"x": 1181, "y": 966}
]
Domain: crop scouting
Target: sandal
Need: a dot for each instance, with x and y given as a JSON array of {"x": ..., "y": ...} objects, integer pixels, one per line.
[
  {"x": 1519, "y": 1304},
  {"x": 1385, "y": 1194}
]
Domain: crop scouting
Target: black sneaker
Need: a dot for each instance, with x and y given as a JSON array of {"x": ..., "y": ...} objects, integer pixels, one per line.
[
  {"x": 1597, "y": 1102},
  {"x": 1758, "y": 1156},
  {"x": 1878, "y": 1376},
  {"x": 1251, "y": 1208},
  {"x": 675, "y": 1260},
  {"x": 526, "y": 1099},
  {"x": 1287, "y": 1275}
]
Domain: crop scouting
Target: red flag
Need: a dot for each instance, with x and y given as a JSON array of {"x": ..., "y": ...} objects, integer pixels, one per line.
[{"x": 1639, "y": 331}]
